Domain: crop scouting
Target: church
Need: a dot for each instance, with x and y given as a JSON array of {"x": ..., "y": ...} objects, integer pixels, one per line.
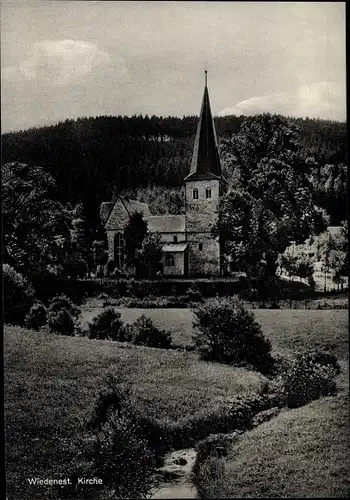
[{"x": 189, "y": 248}]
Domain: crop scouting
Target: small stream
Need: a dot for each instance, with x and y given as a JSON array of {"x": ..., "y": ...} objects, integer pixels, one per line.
[{"x": 175, "y": 475}]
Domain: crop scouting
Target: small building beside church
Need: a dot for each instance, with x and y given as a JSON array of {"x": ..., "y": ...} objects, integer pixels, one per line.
[{"x": 189, "y": 248}]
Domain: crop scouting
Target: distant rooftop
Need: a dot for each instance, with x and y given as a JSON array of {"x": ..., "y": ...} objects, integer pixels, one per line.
[
  {"x": 133, "y": 206},
  {"x": 166, "y": 223}
]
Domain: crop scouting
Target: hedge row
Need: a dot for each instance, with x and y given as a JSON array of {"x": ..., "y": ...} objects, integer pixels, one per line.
[{"x": 146, "y": 288}]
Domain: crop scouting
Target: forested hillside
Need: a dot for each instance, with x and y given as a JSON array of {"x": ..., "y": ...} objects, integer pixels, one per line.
[{"x": 93, "y": 158}]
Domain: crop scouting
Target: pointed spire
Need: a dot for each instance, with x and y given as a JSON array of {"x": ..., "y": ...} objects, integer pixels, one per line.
[{"x": 205, "y": 159}]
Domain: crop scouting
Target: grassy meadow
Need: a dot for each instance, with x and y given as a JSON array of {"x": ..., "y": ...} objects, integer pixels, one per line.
[{"x": 52, "y": 382}]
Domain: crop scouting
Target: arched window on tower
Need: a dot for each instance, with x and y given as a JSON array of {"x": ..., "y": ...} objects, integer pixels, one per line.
[
  {"x": 119, "y": 250},
  {"x": 195, "y": 194},
  {"x": 169, "y": 260},
  {"x": 208, "y": 193},
  {"x": 175, "y": 239}
]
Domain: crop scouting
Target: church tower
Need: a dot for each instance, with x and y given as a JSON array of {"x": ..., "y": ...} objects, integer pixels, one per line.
[{"x": 203, "y": 187}]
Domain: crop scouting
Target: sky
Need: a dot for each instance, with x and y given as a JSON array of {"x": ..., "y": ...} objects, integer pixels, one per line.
[{"x": 69, "y": 59}]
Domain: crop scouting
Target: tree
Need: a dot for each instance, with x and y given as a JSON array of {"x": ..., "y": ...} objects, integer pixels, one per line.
[
  {"x": 148, "y": 258},
  {"x": 79, "y": 256},
  {"x": 332, "y": 252},
  {"x": 100, "y": 253},
  {"x": 305, "y": 268},
  {"x": 269, "y": 203},
  {"x": 19, "y": 295},
  {"x": 36, "y": 225},
  {"x": 330, "y": 182},
  {"x": 134, "y": 234},
  {"x": 335, "y": 254},
  {"x": 288, "y": 263}
]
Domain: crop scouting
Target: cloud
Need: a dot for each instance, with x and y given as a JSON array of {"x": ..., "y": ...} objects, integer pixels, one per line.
[
  {"x": 317, "y": 99},
  {"x": 59, "y": 61}
]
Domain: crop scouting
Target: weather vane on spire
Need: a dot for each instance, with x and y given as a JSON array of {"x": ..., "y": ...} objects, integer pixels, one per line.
[{"x": 206, "y": 76}]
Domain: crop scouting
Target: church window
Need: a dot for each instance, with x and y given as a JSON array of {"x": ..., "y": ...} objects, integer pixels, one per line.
[
  {"x": 200, "y": 246},
  {"x": 195, "y": 194},
  {"x": 169, "y": 260},
  {"x": 175, "y": 239},
  {"x": 208, "y": 193},
  {"x": 119, "y": 250}
]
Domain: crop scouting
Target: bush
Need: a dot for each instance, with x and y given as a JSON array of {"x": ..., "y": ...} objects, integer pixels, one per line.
[
  {"x": 279, "y": 365},
  {"x": 127, "y": 332},
  {"x": 107, "y": 325},
  {"x": 180, "y": 301},
  {"x": 121, "y": 454},
  {"x": 216, "y": 445},
  {"x": 305, "y": 380},
  {"x": 115, "y": 397},
  {"x": 123, "y": 459},
  {"x": 110, "y": 267},
  {"x": 112, "y": 398},
  {"x": 193, "y": 294},
  {"x": 323, "y": 358},
  {"x": 18, "y": 296},
  {"x": 62, "y": 302},
  {"x": 36, "y": 318},
  {"x": 146, "y": 333},
  {"x": 229, "y": 415},
  {"x": 226, "y": 332},
  {"x": 312, "y": 283},
  {"x": 140, "y": 289},
  {"x": 211, "y": 478},
  {"x": 61, "y": 322}
]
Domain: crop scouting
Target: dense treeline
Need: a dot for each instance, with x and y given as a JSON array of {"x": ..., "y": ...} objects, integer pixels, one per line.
[{"x": 93, "y": 158}]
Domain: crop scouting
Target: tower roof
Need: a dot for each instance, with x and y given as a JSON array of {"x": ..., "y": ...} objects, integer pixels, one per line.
[{"x": 205, "y": 163}]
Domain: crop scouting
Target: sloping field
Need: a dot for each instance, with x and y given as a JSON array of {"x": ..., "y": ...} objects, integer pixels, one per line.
[
  {"x": 51, "y": 385},
  {"x": 302, "y": 453}
]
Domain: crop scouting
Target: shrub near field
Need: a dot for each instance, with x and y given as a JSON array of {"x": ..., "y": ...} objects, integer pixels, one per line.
[
  {"x": 107, "y": 325},
  {"x": 287, "y": 330},
  {"x": 226, "y": 332}
]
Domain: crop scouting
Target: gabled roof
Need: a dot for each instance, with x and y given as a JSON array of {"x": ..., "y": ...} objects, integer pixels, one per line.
[
  {"x": 166, "y": 223},
  {"x": 105, "y": 210},
  {"x": 131, "y": 206},
  {"x": 205, "y": 163},
  {"x": 135, "y": 206}
]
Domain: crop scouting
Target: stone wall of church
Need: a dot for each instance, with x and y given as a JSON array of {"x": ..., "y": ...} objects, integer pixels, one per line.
[
  {"x": 204, "y": 261},
  {"x": 179, "y": 265},
  {"x": 118, "y": 218},
  {"x": 110, "y": 240},
  {"x": 201, "y": 213},
  {"x": 169, "y": 237}
]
